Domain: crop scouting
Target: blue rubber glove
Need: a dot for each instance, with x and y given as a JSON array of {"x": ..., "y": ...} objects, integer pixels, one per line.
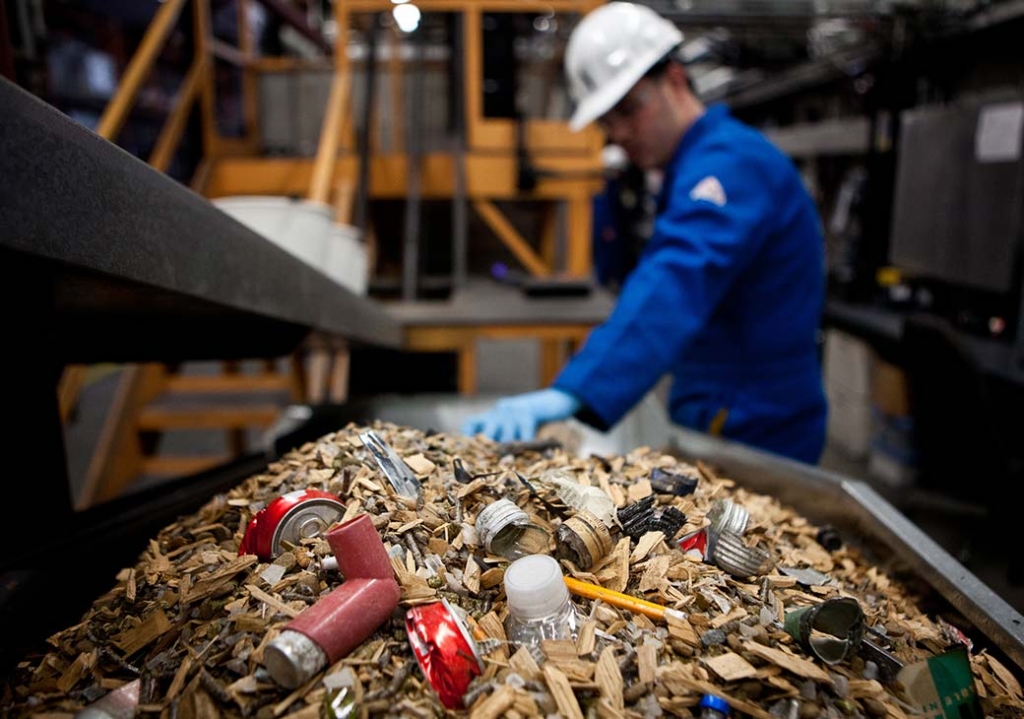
[{"x": 517, "y": 418}]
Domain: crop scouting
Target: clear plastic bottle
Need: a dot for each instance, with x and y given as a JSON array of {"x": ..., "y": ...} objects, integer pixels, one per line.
[
  {"x": 539, "y": 606},
  {"x": 713, "y": 707}
]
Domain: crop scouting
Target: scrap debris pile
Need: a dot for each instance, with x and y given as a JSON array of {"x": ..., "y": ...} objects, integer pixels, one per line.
[{"x": 687, "y": 585}]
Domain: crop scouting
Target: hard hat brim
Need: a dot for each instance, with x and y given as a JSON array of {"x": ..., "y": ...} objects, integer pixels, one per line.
[{"x": 601, "y": 101}]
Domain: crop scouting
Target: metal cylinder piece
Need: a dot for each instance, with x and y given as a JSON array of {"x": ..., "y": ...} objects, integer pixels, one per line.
[
  {"x": 506, "y": 530},
  {"x": 583, "y": 539},
  {"x": 727, "y": 516},
  {"x": 738, "y": 559},
  {"x": 292, "y": 517},
  {"x": 832, "y": 630},
  {"x": 293, "y": 658}
]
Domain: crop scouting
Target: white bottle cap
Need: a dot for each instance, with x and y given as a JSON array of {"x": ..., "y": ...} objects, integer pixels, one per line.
[{"x": 535, "y": 587}]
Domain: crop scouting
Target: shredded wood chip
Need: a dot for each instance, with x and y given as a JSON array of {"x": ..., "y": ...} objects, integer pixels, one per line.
[
  {"x": 192, "y": 619},
  {"x": 609, "y": 678},
  {"x": 420, "y": 465},
  {"x": 797, "y": 665},
  {"x": 559, "y": 687},
  {"x": 152, "y": 627},
  {"x": 647, "y": 662},
  {"x": 495, "y": 705},
  {"x": 731, "y": 667}
]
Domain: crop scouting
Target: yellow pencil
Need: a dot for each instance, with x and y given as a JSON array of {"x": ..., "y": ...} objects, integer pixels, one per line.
[{"x": 654, "y": 611}]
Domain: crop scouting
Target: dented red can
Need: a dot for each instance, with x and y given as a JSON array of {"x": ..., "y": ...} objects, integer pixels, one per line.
[
  {"x": 298, "y": 515},
  {"x": 446, "y": 652},
  {"x": 696, "y": 544}
]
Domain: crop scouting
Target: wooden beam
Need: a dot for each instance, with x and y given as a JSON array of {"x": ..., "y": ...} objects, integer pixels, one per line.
[
  {"x": 203, "y": 384},
  {"x": 468, "y": 378},
  {"x": 71, "y": 381},
  {"x": 344, "y": 197},
  {"x": 161, "y": 419},
  {"x": 552, "y": 358},
  {"x": 339, "y": 376},
  {"x": 579, "y": 254},
  {"x": 184, "y": 466},
  {"x": 116, "y": 111},
  {"x": 250, "y": 83},
  {"x": 472, "y": 74},
  {"x": 511, "y": 238},
  {"x": 448, "y": 338},
  {"x": 289, "y": 64},
  {"x": 330, "y": 137},
  {"x": 488, "y": 175},
  {"x": 223, "y": 51},
  {"x": 318, "y": 374},
  {"x": 201, "y": 176},
  {"x": 201, "y": 40},
  {"x": 396, "y": 70},
  {"x": 170, "y": 134},
  {"x": 556, "y": 341},
  {"x": 117, "y": 457}
]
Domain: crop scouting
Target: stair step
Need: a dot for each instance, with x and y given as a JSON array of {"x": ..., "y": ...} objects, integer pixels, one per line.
[
  {"x": 181, "y": 466},
  {"x": 198, "y": 384},
  {"x": 216, "y": 417}
]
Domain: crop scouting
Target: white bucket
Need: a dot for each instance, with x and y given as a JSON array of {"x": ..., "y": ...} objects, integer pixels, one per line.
[
  {"x": 301, "y": 227},
  {"x": 347, "y": 262}
]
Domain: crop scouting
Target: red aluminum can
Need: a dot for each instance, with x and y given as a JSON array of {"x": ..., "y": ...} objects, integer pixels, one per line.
[
  {"x": 444, "y": 649},
  {"x": 696, "y": 544},
  {"x": 298, "y": 515}
]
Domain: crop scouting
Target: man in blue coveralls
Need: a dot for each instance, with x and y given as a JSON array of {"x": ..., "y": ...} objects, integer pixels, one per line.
[{"x": 727, "y": 294}]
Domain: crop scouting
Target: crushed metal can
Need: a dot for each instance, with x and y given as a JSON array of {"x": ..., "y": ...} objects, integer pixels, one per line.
[
  {"x": 832, "y": 630},
  {"x": 445, "y": 650},
  {"x": 292, "y": 517},
  {"x": 695, "y": 544},
  {"x": 727, "y": 516},
  {"x": 680, "y": 485},
  {"x": 506, "y": 530},
  {"x": 729, "y": 552},
  {"x": 583, "y": 539}
]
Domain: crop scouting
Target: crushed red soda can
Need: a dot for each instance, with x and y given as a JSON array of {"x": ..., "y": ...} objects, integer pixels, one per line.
[
  {"x": 444, "y": 649},
  {"x": 302, "y": 514},
  {"x": 695, "y": 544},
  {"x": 954, "y": 635}
]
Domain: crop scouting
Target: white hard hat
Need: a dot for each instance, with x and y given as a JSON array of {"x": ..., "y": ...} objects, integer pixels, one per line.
[{"x": 609, "y": 51}]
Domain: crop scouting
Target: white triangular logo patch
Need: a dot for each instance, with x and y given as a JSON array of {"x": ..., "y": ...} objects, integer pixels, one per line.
[{"x": 709, "y": 189}]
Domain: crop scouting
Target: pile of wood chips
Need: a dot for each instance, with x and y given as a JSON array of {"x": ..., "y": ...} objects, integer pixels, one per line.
[{"x": 191, "y": 619}]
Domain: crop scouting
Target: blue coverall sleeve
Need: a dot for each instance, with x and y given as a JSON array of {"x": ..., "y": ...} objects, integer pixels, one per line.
[{"x": 701, "y": 241}]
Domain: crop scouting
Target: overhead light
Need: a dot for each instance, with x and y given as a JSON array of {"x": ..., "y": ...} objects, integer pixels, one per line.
[{"x": 407, "y": 16}]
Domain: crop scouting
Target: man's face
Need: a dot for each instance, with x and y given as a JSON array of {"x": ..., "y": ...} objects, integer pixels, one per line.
[{"x": 645, "y": 124}]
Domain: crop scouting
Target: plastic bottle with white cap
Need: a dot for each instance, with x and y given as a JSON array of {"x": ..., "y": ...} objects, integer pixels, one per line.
[{"x": 539, "y": 606}]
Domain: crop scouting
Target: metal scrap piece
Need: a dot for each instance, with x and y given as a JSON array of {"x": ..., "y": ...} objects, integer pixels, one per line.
[{"x": 394, "y": 467}]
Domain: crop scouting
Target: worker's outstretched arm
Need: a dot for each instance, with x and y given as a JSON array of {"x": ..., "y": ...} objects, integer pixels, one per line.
[{"x": 518, "y": 417}]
